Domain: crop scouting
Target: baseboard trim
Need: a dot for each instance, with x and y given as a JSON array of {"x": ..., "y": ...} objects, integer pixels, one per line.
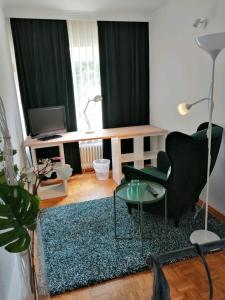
[{"x": 212, "y": 211}]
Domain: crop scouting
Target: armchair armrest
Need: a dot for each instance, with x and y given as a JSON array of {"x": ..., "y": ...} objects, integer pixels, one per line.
[
  {"x": 163, "y": 162},
  {"x": 131, "y": 173}
]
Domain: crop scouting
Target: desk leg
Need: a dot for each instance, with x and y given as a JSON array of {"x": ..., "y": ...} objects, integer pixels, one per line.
[
  {"x": 116, "y": 159},
  {"x": 161, "y": 142},
  {"x": 62, "y": 155},
  {"x": 34, "y": 157},
  {"x": 157, "y": 144},
  {"x": 141, "y": 226},
  {"x": 154, "y": 141},
  {"x": 139, "y": 152}
]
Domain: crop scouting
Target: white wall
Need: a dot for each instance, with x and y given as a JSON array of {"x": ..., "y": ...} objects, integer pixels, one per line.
[
  {"x": 11, "y": 286},
  {"x": 181, "y": 72},
  {"x": 8, "y": 92},
  {"x": 50, "y": 13}
]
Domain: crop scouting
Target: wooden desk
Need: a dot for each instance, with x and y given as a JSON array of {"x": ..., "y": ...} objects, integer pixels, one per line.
[{"x": 116, "y": 135}]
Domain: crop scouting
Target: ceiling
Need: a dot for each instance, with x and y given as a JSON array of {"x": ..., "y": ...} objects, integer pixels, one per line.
[{"x": 110, "y": 6}]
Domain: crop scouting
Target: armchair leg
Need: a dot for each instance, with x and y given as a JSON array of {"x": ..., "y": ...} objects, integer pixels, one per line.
[
  {"x": 176, "y": 222},
  {"x": 129, "y": 209}
]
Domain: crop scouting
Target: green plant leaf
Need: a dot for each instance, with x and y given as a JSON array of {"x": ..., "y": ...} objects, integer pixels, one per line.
[
  {"x": 19, "y": 245},
  {"x": 18, "y": 214}
]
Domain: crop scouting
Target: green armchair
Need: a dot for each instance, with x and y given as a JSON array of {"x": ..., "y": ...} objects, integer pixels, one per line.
[{"x": 181, "y": 170}]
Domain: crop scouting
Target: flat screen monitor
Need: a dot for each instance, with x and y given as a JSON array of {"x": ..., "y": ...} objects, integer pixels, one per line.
[{"x": 46, "y": 121}]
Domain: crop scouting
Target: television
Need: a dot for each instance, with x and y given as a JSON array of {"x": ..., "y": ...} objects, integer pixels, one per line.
[{"x": 47, "y": 121}]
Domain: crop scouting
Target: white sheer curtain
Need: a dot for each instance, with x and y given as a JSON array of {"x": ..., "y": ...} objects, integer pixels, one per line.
[{"x": 83, "y": 36}]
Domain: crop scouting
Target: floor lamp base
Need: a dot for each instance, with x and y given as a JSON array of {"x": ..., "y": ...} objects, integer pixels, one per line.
[{"x": 203, "y": 236}]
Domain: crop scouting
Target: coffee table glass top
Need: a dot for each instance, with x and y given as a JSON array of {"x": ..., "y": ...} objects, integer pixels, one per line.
[{"x": 142, "y": 191}]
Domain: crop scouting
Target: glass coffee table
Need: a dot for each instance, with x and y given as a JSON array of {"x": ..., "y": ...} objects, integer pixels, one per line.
[{"x": 139, "y": 192}]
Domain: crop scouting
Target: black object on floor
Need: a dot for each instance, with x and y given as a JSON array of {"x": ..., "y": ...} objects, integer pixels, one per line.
[{"x": 161, "y": 289}]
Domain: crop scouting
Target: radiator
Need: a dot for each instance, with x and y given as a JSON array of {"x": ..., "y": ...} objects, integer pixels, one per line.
[{"x": 89, "y": 151}]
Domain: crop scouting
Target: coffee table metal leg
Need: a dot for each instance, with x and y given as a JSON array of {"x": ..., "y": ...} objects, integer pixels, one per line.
[
  {"x": 139, "y": 222},
  {"x": 141, "y": 231},
  {"x": 114, "y": 206}
]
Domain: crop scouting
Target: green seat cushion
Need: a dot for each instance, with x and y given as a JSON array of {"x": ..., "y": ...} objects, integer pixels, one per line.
[{"x": 155, "y": 173}]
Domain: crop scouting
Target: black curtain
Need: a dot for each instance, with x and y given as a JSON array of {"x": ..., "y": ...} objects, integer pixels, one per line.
[
  {"x": 124, "y": 67},
  {"x": 45, "y": 75}
]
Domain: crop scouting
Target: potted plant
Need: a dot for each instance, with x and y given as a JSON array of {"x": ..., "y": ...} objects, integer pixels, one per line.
[{"x": 19, "y": 207}]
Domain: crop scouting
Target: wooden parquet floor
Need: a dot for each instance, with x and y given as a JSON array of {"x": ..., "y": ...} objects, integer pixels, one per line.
[{"x": 187, "y": 279}]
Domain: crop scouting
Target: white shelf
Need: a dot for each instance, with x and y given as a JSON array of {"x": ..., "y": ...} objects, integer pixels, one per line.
[
  {"x": 56, "y": 189},
  {"x": 57, "y": 165},
  {"x": 150, "y": 155},
  {"x": 137, "y": 133},
  {"x": 128, "y": 157},
  {"x": 52, "y": 191}
]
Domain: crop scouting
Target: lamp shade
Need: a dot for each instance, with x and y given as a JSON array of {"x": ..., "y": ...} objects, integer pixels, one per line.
[
  {"x": 183, "y": 109},
  {"x": 212, "y": 43}
]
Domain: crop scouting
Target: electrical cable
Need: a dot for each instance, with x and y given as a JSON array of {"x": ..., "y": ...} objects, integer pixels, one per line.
[
  {"x": 161, "y": 289},
  {"x": 200, "y": 253}
]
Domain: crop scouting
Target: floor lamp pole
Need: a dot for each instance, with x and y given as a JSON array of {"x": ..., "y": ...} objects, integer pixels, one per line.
[
  {"x": 213, "y": 44},
  {"x": 205, "y": 236},
  {"x": 209, "y": 134}
]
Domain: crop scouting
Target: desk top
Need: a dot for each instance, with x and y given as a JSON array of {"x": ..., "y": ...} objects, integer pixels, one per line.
[{"x": 78, "y": 136}]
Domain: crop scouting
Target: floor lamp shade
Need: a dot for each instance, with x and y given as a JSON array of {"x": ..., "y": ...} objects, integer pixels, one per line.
[{"x": 212, "y": 43}]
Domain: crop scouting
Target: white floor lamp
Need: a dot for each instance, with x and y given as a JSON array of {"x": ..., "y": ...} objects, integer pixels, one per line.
[{"x": 213, "y": 44}]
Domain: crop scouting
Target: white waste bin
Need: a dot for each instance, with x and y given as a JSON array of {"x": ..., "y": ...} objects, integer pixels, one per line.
[{"x": 101, "y": 167}]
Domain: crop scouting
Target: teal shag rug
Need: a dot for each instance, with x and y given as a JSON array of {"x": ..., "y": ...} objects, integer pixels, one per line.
[{"x": 80, "y": 248}]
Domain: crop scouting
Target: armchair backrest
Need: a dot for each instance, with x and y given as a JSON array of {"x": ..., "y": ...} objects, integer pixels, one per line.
[{"x": 188, "y": 158}]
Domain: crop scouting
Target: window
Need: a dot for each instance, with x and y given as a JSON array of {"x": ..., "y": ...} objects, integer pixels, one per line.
[{"x": 86, "y": 72}]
